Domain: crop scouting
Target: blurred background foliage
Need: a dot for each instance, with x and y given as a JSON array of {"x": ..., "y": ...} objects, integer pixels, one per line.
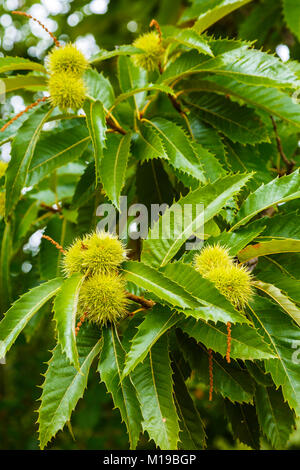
[{"x": 92, "y": 26}]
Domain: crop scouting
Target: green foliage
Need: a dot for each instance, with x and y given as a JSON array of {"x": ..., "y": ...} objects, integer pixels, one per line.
[
  {"x": 95, "y": 118},
  {"x": 113, "y": 166},
  {"x": 153, "y": 382},
  {"x": 22, "y": 153},
  {"x": 123, "y": 392},
  {"x": 189, "y": 119},
  {"x": 213, "y": 196},
  {"x": 23, "y": 310},
  {"x": 65, "y": 310},
  {"x": 280, "y": 333},
  {"x": 208, "y": 12},
  {"x": 275, "y": 192},
  {"x": 274, "y": 415},
  {"x": 291, "y": 14},
  {"x": 243, "y": 420},
  {"x": 67, "y": 383},
  {"x": 155, "y": 324}
]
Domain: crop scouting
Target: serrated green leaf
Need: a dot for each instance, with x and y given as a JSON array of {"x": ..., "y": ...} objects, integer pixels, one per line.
[
  {"x": 28, "y": 81},
  {"x": 65, "y": 311},
  {"x": 158, "y": 252},
  {"x": 274, "y": 273},
  {"x": 153, "y": 382},
  {"x": 110, "y": 367},
  {"x": 96, "y": 122},
  {"x": 8, "y": 64},
  {"x": 192, "y": 434},
  {"x": 277, "y": 191},
  {"x": 250, "y": 158},
  {"x": 246, "y": 343},
  {"x": 99, "y": 87},
  {"x": 157, "y": 321},
  {"x": 275, "y": 417},
  {"x": 190, "y": 38},
  {"x": 278, "y": 329},
  {"x": 154, "y": 281},
  {"x": 248, "y": 66},
  {"x": 213, "y": 305},
  {"x": 64, "y": 385},
  {"x": 23, "y": 310},
  {"x": 236, "y": 241},
  {"x": 282, "y": 226},
  {"x": 131, "y": 77},
  {"x": 230, "y": 380},
  {"x": 119, "y": 51},
  {"x": 149, "y": 144},
  {"x": 5, "y": 259},
  {"x": 209, "y": 12},
  {"x": 150, "y": 87},
  {"x": 271, "y": 100},
  {"x": 209, "y": 138},
  {"x": 213, "y": 169},
  {"x": 257, "y": 371},
  {"x": 29, "y": 210},
  {"x": 22, "y": 150},
  {"x": 61, "y": 230},
  {"x": 178, "y": 147},
  {"x": 113, "y": 166},
  {"x": 265, "y": 248},
  {"x": 254, "y": 67},
  {"x": 55, "y": 150},
  {"x": 244, "y": 423},
  {"x": 85, "y": 187},
  {"x": 239, "y": 123}
]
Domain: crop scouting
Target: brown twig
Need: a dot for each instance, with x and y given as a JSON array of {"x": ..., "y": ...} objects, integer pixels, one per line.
[
  {"x": 22, "y": 13},
  {"x": 57, "y": 245},
  {"x": 211, "y": 377},
  {"x": 155, "y": 24},
  {"x": 142, "y": 309},
  {"x": 288, "y": 163},
  {"x": 140, "y": 300},
  {"x": 32, "y": 105},
  {"x": 176, "y": 104},
  {"x": 114, "y": 125},
  {"x": 50, "y": 208},
  {"x": 178, "y": 107}
]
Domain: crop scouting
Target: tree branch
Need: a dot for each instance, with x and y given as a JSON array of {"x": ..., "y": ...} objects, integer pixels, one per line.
[
  {"x": 288, "y": 163},
  {"x": 140, "y": 300}
]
